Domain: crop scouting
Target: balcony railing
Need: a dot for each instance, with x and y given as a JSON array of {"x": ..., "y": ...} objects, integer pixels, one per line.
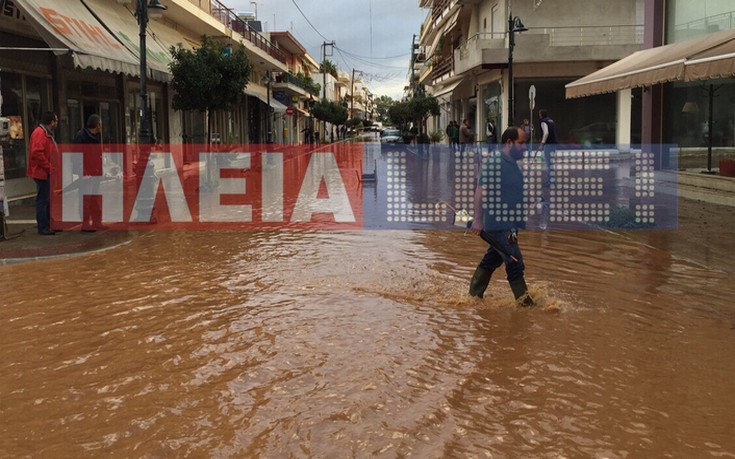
[
  {"x": 565, "y": 36},
  {"x": 228, "y": 17},
  {"x": 290, "y": 79},
  {"x": 698, "y": 27},
  {"x": 442, "y": 67}
]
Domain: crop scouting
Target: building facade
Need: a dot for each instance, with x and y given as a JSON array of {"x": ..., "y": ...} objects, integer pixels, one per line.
[
  {"x": 464, "y": 58},
  {"x": 81, "y": 57}
]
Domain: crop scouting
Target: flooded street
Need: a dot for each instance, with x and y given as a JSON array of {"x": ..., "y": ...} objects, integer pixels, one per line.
[{"x": 364, "y": 344}]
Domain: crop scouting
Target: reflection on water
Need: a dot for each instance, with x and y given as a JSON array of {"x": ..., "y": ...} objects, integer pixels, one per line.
[{"x": 341, "y": 344}]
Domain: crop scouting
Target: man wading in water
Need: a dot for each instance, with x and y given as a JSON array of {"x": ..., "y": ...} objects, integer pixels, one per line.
[{"x": 499, "y": 214}]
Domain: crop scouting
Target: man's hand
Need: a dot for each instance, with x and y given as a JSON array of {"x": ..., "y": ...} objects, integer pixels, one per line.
[
  {"x": 513, "y": 236},
  {"x": 476, "y": 227}
]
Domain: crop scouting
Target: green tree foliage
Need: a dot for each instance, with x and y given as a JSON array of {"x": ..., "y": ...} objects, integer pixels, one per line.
[
  {"x": 415, "y": 110},
  {"x": 206, "y": 79},
  {"x": 400, "y": 115},
  {"x": 329, "y": 111},
  {"x": 308, "y": 83},
  {"x": 328, "y": 67},
  {"x": 382, "y": 104},
  {"x": 423, "y": 106}
]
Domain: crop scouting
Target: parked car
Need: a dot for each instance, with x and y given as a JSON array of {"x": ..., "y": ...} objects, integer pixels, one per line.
[
  {"x": 595, "y": 134},
  {"x": 391, "y": 136}
]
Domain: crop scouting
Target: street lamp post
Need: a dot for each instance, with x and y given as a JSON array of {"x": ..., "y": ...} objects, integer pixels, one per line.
[
  {"x": 142, "y": 11},
  {"x": 514, "y": 25},
  {"x": 268, "y": 121}
]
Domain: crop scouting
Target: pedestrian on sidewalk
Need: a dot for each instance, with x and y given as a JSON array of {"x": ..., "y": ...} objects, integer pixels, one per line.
[
  {"x": 465, "y": 136},
  {"x": 91, "y": 139},
  {"x": 491, "y": 135},
  {"x": 42, "y": 145},
  {"x": 498, "y": 222},
  {"x": 549, "y": 141}
]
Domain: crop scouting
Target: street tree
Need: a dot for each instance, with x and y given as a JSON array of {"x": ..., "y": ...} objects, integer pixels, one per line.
[
  {"x": 209, "y": 78},
  {"x": 330, "y": 112},
  {"x": 382, "y": 104}
]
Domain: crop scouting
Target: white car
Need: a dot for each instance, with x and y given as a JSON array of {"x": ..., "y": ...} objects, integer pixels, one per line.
[{"x": 391, "y": 136}]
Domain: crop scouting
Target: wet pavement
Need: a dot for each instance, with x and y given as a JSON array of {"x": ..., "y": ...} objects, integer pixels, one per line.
[
  {"x": 24, "y": 244},
  {"x": 365, "y": 344}
]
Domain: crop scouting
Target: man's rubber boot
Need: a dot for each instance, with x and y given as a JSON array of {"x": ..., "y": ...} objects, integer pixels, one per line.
[
  {"x": 520, "y": 291},
  {"x": 480, "y": 281}
]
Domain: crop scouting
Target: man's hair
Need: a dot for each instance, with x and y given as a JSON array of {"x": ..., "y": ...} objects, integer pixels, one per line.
[
  {"x": 510, "y": 133},
  {"x": 543, "y": 113},
  {"x": 48, "y": 118},
  {"x": 93, "y": 121}
]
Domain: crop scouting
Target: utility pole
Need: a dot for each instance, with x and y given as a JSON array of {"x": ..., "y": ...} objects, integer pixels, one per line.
[
  {"x": 324, "y": 74},
  {"x": 413, "y": 65},
  {"x": 352, "y": 95},
  {"x": 324, "y": 68}
]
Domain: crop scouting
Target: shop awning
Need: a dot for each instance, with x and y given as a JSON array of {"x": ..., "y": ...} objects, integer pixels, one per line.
[
  {"x": 703, "y": 58},
  {"x": 121, "y": 21},
  {"x": 255, "y": 91},
  {"x": 70, "y": 25},
  {"x": 447, "y": 89}
]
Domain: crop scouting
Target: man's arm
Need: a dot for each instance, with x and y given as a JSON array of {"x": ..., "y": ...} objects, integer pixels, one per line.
[
  {"x": 38, "y": 150},
  {"x": 545, "y": 129},
  {"x": 477, "y": 222}
]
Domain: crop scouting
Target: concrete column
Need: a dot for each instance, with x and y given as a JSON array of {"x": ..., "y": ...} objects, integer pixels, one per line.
[{"x": 624, "y": 106}]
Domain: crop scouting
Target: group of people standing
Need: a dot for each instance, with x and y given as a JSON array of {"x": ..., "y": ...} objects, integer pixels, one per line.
[
  {"x": 459, "y": 135},
  {"x": 42, "y": 147}
]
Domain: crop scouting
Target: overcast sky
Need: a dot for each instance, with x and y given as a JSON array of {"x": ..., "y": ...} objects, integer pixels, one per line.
[{"x": 350, "y": 23}]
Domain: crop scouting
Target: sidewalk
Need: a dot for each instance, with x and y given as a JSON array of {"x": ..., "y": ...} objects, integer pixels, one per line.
[{"x": 23, "y": 242}]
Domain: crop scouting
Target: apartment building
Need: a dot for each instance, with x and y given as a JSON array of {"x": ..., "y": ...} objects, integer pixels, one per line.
[{"x": 464, "y": 57}]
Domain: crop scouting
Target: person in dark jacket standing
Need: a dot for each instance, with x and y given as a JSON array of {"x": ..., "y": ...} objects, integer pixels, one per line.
[
  {"x": 499, "y": 214},
  {"x": 91, "y": 137},
  {"x": 549, "y": 140},
  {"x": 42, "y": 145}
]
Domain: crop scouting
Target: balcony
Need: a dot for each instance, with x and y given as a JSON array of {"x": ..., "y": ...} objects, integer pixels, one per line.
[
  {"x": 293, "y": 86},
  {"x": 559, "y": 44},
  {"x": 228, "y": 17}
]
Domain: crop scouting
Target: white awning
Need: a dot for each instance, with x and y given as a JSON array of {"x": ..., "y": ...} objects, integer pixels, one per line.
[
  {"x": 262, "y": 94},
  {"x": 707, "y": 57},
  {"x": 70, "y": 25},
  {"x": 121, "y": 21}
]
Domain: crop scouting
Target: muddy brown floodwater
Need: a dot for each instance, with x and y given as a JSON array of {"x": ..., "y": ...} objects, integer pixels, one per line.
[{"x": 363, "y": 344}]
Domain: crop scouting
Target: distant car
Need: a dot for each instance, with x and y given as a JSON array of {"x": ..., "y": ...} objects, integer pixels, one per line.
[
  {"x": 391, "y": 136},
  {"x": 595, "y": 134}
]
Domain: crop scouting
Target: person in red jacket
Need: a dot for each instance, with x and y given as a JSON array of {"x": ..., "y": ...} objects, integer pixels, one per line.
[{"x": 39, "y": 168}]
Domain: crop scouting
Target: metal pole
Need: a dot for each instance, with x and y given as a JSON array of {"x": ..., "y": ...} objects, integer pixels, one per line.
[
  {"x": 709, "y": 130},
  {"x": 269, "y": 126},
  {"x": 511, "y": 43},
  {"x": 145, "y": 134}
]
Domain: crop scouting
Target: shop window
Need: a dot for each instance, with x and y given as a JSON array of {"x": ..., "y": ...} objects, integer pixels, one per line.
[
  {"x": 13, "y": 139},
  {"x": 109, "y": 112},
  {"x": 75, "y": 117},
  {"x": 38, "y": 99}
]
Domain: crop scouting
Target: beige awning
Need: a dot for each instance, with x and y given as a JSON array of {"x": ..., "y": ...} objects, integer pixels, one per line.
[
  {"x": 702, "y": 58},
  {"x": 446, "y": 90},
  {"x": 69, "y": 24}
]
